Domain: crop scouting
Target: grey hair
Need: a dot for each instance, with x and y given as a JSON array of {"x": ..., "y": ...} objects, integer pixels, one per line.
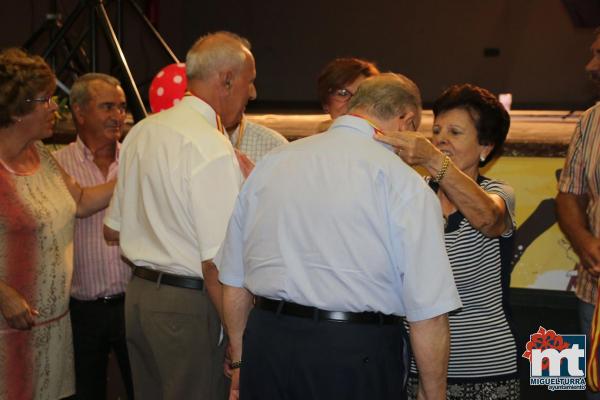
[
  {"x": 387, "y": 95},
  {"x": 215, "y": 51},
  {"x": 80, "y": 91}
]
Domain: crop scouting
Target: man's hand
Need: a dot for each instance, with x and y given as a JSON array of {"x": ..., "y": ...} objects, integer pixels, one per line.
[
  {"x": 110, "y": 235},
  {"x": 227, "y": 363},
  {"x": 234, "y": 391},
  {"x": 15, "y": 309},
  {"x": 589, "y": 254}
]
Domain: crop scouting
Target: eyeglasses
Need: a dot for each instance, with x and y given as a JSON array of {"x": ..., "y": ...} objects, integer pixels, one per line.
[
  {"x": 342, "y": 93},
  {"x": 48, "y": 100}
]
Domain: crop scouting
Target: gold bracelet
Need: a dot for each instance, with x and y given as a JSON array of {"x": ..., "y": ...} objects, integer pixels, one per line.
[
  {"x": 235, "y": 364},
  {"x": 442, "y": 172}
]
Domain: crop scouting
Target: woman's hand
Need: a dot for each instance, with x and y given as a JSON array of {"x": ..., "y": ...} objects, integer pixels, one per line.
[
  {"x": 413, "y": 148},
  {"x": 15, "y": 309}
]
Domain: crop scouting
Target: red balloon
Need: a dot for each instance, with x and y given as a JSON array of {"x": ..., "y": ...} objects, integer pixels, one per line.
[{"x": 168, "y": 87}]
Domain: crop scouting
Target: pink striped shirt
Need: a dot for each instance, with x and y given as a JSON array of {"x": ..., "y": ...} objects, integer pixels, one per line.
[
  {"x": 99, "y": 270},
  {"x": 581, "y": 175}
]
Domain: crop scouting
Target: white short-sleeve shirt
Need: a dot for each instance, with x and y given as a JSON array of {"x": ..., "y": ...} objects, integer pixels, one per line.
[{"x": 177, "y": 184}]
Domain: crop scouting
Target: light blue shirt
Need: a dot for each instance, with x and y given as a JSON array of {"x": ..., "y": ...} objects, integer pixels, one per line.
[{"x": 339, "y": 222}]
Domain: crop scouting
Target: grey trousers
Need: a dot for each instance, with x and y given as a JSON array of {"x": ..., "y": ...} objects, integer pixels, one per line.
[{"x": 172, "y": 338}]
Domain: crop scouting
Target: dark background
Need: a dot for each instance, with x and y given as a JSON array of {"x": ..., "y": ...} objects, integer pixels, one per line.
[{"x": 535, "y": 49}]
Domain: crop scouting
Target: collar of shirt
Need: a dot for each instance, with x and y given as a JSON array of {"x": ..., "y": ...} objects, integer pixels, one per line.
[
  {"x": 199, "y": 105},
  {"x": 360, "y": 125},
  {"x": 84, "y": 153}
]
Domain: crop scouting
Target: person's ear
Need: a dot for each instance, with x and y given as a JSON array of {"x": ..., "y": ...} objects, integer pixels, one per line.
[
  {"x": 77, "y": 112},
  {"x": 227, "y": 80},
  {"x": 484, "y": 151}
]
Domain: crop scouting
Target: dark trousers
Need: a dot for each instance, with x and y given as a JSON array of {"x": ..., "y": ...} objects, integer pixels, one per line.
[
  {"x": 292, "y": 358},
  {"x": 98, "y": 328}
]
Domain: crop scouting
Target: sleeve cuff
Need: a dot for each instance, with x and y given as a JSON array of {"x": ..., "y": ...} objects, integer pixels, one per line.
[
  {"x": 428, "y": 313},
  {"x": 112, "y": 224}
]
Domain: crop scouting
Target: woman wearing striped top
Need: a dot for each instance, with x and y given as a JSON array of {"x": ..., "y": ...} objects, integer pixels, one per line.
[{"x": 469, "y": 129}]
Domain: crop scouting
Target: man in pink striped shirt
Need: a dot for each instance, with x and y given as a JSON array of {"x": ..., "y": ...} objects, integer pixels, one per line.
[{"x": 100, "y": 276}]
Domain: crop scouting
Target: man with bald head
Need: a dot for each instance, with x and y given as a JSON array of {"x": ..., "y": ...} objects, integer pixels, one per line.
[{"x": 177, "y": 183}]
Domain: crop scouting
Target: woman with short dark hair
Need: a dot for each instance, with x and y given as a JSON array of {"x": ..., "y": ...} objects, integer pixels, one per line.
[{"x": 469, "y": 128}]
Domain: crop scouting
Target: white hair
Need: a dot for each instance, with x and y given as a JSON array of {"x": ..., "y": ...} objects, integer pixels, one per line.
[
  {"x": 387, "y": 95},
  {"x": 215, "y": 52}
]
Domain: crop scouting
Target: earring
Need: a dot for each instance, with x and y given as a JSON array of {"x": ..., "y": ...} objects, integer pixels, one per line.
[
  {"x": 482, "y": 158},
  {"x": 18, "y": 119}
]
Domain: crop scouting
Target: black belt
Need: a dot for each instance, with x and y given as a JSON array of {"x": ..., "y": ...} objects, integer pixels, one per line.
[
  {"x": 169, "y": 279},
  {"x": 112, "y": 299},
  {"x": 297, "y": 310}
]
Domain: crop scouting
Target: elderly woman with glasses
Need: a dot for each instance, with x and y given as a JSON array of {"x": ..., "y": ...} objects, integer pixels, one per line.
[
  {"x": 469, "y": 128},
  {"x": 338, "y": 82},
  {"x": 38, "y": 206}
]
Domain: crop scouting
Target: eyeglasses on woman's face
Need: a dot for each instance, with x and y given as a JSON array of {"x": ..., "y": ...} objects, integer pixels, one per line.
[
  {"x": 341, "y": 94},
  {"x": 47, "y": 100}
]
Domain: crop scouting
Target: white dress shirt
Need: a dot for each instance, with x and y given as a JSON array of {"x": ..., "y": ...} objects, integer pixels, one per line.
[
  {"x": 178, "y": 180},
  {"x": 337, "y": 221}
]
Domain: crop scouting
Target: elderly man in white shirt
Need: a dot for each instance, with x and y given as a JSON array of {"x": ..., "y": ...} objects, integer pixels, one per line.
[{"x": 177, "y": 183}]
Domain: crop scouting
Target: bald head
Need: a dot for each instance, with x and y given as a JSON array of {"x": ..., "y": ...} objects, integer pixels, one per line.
[{"x": 214, "y": 53}]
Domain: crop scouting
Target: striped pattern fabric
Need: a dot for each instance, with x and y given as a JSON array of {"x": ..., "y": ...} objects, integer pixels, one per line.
[
  {"x": 99, "y": 270},
  {"x": 482, "y": 344},
  {"x": 581, "y": 175},
  {"x": 593, "y": 370}
]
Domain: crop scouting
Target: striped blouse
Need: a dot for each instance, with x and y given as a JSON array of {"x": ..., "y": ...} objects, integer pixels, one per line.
[
  {"x": 482, "y": 343},
  {"x": 581, "y": 175}
]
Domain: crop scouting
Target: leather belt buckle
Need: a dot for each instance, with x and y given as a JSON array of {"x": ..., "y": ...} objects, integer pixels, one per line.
[{"x": 114, "y": 298}]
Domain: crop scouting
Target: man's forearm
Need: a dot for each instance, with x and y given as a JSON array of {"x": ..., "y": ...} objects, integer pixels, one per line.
[
  {"x": 237, "y": 303},
  {"x": 213, "y": 286},
  {"x": 572, "y": 217},
  {"x": 430, "y": 341}
]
